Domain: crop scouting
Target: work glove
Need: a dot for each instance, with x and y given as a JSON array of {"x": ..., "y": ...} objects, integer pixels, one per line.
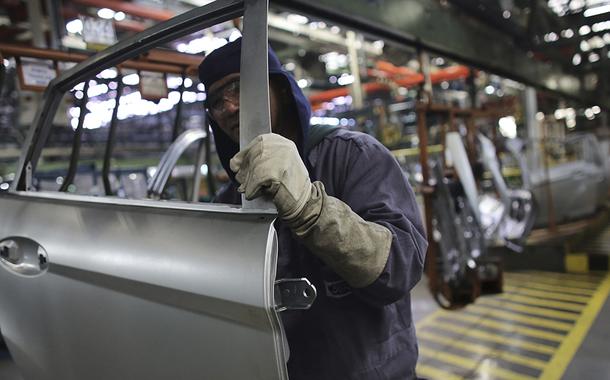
[
  {"x": 355, "y": 249},
  {"x": 270, "y": 165}
]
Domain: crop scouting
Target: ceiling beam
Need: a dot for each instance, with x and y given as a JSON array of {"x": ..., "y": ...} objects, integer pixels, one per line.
[{"x": 440, "y": 28}]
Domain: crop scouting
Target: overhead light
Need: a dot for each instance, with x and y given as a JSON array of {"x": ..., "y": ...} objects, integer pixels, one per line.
[
  {"x": 173, "y": 82},
  {"x": 297, "y": 19},
  {"x": 345, "y": 79},
  {"x": 584, "y": 30},
  {"x": 576, "y": 59},
  {"x": 559, "y": 113},
  {"x": 75, "y": 26},
  {"x": 551, "y": 37},
  {"x": 106, "y": 13},
  {"x": 584, "y": 46},
  {"x": 589, "y": 114},
  {"x": 508, "y": 127},
  {"x": 597, "y": 11},
  {"x": 596, "y": 42},
  {"x": 119, "y": 16},
  {"x": 108, "y": 74},
  {"x": 506, "y": 14},
  {"x": 593, "y": 57},
  {"x": 489, "y": 90},
  {"x": 596, "y": 109},
  {"x": 131, "y": 79},
  {"x": 567, "y": 33},
  {"x": 315, "y": 120},
  {"x": 601, "y": 26}
]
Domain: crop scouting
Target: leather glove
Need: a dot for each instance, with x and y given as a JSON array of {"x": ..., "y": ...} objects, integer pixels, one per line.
[
  {"x": 270, "y": 165},
  {"x": 355, "y": 249}
]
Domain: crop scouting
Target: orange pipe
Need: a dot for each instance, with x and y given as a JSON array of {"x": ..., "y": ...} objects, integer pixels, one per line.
[
  {"x": 164, "y": 62},
  {"x": 447, "y": 74},
  {"x": 393, "y": 69}
]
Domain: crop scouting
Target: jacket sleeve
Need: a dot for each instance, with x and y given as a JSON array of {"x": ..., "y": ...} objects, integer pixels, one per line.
[{"x": 376, "y": 189}]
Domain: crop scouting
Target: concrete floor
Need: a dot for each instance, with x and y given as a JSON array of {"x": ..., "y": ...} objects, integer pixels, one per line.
[
  {"x": 590, "y": 361},
  {"x": 520, "y": 334}
]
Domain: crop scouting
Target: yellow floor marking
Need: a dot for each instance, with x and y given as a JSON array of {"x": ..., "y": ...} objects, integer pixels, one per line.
[
  {"x": 552, "y": 281},
  {"x": 591, "y": 277},
  {"x": 470, "y": 364},
  {"x": 482, "y": 350},
  {"x": 496, "y": 338},
  {"x": 528, "y": 309},
  {"x": 547, "y": 295},
  {"x": 434, "y": 373},
  {"x": 572, "y": 342},
  {"x": 557, "y": 277},
  {"x": 553, "y": 288},
  {"x": 539, "y": 302},
  {"x": 505, "y": 327},
  {"x": 516, "y": 317},
  {"x": 428, "y": 320}
]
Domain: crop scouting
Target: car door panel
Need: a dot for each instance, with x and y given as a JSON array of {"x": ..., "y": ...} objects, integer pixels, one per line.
[{"x": 145, "y": 289}]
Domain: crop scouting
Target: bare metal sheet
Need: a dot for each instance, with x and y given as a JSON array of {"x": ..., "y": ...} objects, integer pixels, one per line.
[{"x": 141, "y": 292}]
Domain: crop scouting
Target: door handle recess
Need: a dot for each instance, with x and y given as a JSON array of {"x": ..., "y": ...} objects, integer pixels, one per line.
[{"x": 23, "y": 256}]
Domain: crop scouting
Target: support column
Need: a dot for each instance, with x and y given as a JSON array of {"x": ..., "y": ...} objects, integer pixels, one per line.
[
  {"x": 354, "y": 66},
  {"x": 534, "y": 128},
  {"x": 36, "y": 22}
]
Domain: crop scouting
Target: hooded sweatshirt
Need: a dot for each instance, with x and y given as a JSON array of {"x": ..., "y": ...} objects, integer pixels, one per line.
[{"x": 348, "y": 333}]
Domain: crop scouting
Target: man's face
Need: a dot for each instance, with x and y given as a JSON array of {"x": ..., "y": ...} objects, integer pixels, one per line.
[{"x": 223, "y": 104}]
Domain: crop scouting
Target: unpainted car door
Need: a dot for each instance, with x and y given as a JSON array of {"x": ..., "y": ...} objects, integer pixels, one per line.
[{"x": 108, "y": 288}]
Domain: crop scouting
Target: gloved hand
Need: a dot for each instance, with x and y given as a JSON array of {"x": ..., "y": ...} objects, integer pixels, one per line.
[
  {"x": 270, "y": 165},
  {"x": 354, "y": 248}
]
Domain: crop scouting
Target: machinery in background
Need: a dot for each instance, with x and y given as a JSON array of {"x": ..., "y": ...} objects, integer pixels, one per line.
[
  {"x": 507, "y": 218},
  {"x": 467, "y": 221},
  {"x": 569, "y": 181}
]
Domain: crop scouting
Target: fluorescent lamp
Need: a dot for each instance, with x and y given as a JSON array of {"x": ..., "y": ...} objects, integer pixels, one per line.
[{"x": 597, "y": 11}]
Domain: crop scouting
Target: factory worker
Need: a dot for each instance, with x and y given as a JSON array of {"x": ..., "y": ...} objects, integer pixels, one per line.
[{"x": 347, "y": 221}]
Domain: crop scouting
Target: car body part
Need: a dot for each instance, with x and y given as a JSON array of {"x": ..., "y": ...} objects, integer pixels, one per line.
[
  {"x": 111, "y": 137},
  {"x": 459, "y": 237},
  {"x": 141, "y": 289},
  {"x": 459, "y": 160},
  {"x": 515, "y": 221},
  {"x": 77, "y": 141},
  {"x": 578, "y": 184},
  {"x": 170, "y": 158}
]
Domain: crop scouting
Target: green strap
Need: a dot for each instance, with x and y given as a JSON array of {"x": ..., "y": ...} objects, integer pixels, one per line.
[{"x": 317, "y": 134}]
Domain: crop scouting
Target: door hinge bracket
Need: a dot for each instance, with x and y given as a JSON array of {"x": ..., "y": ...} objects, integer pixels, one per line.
[{"x": 294, "y": 294}]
